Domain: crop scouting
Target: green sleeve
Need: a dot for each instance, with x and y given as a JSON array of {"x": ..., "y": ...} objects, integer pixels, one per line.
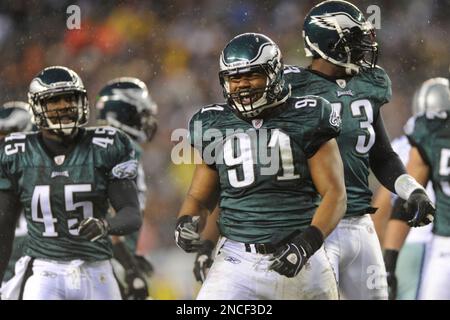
[
  {"x": 6, "y": 183},
  {"x": 202, "y": 129},
  {"x": 121, "y": 157},
  {"x": 382, "y": 82},
  {"x": 326, "y": 125}
]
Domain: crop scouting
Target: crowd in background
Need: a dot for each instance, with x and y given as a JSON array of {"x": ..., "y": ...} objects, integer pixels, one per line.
[{"x": 174, "y": 47}]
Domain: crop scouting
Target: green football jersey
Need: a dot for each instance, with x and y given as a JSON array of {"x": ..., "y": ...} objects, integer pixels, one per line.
[
  {"x": 431, "y": 135},
  {"x": 358, "y": 100},
  {"x": 57, "y": 192},
  {"x": 266, "y": 190}
]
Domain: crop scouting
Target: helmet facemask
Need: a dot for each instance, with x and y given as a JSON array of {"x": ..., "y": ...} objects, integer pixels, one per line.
[
  {"x": 358, "y": 46},
  {"x": 251, "y": 102},
  {"x": 65, "y": 120},
  {"x": 337, "y": 31}
]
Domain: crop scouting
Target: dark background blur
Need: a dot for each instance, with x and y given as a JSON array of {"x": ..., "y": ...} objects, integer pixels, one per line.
[{"x": 174, "y": 46}]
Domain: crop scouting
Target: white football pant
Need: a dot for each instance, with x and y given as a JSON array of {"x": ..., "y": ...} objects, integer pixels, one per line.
[
  {"x": 435, "y": 284},
  {"x": 355, "y": 254},
  {"x": 72, "y": 280},
  {"x": 240, "y": 275}
]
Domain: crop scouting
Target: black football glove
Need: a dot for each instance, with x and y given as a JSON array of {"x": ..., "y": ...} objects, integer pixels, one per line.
[
  {"x": 144, "y": 265},
  {"x": 186, "y": 233},
  {"x": 390, "y": 261},
  {"x": 290, "y": 258},
  {"x": 203, "y": 260},
  {"x": 419, "y": 208},
  {"x": 92, "y": 228},
  {"x": 137, "y": 285}
]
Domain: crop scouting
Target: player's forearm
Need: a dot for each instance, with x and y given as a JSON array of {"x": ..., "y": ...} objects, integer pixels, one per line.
[
  {"x": 330, "y": 211},
  {"x": 6, "y": 240},
  {"x": 194, "y": 207},
  {"x": 395, "y": 236},
  {"x": 203, "y": 194},
  {"x": 9, "y": 213},
  {"x": 124, "y": 256},
  {"x": 127, "y": 220},
  {"x": 211, "y": 230},
  {"x": 124, "y": 200},
  {"x": 384, "y": 161}
]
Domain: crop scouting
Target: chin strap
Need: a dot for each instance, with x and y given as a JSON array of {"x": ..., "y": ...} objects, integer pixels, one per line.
[{"x": 273, "y": 104}]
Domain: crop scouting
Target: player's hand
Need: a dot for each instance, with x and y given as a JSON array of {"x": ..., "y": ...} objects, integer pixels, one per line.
[
  {"x": 91, "y": 228},
  {"x": 290, "y": 258},
  {"x": 144, "y": 265},
  {"x": 390, "y": 261},
  {"x": 186, "y": 233},
  {"x": 203, "y": 260},
  {"x": 137, "y": 285},
  {"x": 420, "y": 208}
]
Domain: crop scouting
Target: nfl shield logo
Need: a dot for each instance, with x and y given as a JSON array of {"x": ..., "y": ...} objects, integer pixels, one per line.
[
  {"x": 341, "y": 83},
  {"x": 257, "y": 123},
  {"x": 59, "y": 160}
]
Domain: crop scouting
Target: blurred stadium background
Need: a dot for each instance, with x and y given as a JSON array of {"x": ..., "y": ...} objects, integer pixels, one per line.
[{"x": 174, "y": 47}]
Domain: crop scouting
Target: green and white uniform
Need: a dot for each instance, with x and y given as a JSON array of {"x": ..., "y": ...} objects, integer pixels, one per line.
[
  {"x": 353, "y": 247},
  {"x": 57, "y": 192},
  {"x": 263, "y": 201},
  {"x": 430, "y": 134}
]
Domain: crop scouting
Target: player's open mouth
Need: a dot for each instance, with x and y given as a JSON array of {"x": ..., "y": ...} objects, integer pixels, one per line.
[{"x": 247, "y": 97}]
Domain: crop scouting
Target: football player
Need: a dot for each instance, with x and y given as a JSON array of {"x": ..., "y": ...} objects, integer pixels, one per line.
[
  {"x": 64, "y": 178},
  {"x": 428, "y": 161},
  {"x": 343, "y": 70},
  {"x": 272, "y": 229},
  {"x": 125, "y": 103},
  {"x": 15, "y": 116}
]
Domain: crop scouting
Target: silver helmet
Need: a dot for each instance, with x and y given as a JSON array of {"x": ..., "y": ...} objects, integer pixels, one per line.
[{"x": 432, "y": 96}]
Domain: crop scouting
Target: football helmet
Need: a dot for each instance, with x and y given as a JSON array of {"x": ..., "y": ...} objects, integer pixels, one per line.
[
  {"x": 50, "y": 85},
  {"x": 15, "y": 116},
  {"x": 338, "y": 32},
  {"x": 432, "y": 96},
  {"x": 253, "y": 52},
  {"x": 125, "y": 103}
]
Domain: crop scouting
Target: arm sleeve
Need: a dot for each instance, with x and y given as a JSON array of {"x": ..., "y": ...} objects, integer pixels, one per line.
[
  {"x": 9, "y": 213},
  {"x": 124, "y": 199},
  {"x": 384, "y": 162},
  {"x": 327, "y": 125}
]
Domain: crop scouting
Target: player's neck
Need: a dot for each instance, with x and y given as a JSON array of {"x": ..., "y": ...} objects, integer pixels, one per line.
[
  {"x": 56, "y": 138},
  {"x": 58, "y": 145},
  {"x": 327, "y": 68}
]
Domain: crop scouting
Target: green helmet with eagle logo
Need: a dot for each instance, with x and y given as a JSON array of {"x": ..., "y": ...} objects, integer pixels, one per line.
[{"x": 338, "y": 32}]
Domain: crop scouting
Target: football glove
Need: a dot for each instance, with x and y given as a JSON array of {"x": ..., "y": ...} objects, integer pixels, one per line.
[
  {"x": 137, "y": 288},
  {"x": 92, "y": 228},
  {"x": 186, "y": 233},
  {"x": 390, "y": 261},
  {"x": 144, "y": 265},
  {"x": 290, "y": 258},
  {"x": 419, "y": 208},
  {"x": 203, "y": 260}
]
